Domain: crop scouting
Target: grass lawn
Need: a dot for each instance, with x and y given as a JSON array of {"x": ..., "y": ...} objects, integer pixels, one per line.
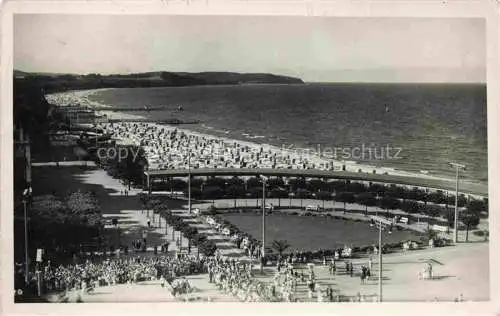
[{"x": 313, "y": 233}]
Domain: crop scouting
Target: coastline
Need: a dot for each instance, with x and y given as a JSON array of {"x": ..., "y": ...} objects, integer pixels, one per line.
[{"x": 81, "y": 97}]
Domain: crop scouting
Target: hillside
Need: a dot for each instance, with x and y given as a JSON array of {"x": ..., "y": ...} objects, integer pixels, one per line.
[{"x": 62, "y": 82}]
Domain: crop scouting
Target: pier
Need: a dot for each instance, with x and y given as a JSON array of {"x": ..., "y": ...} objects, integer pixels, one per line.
[
  {"x": 130, "y": 109},
  {"x": 145, "y": 120}
]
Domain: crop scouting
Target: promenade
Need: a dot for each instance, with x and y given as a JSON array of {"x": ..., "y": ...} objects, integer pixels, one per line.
[{"x": 465, "y": 270}]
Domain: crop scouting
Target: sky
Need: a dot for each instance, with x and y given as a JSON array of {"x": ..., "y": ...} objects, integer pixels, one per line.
[{"x": 315, "y": 49}]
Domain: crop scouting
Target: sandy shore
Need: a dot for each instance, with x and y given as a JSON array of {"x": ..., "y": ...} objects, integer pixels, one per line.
[{"x": 82, "y": 98}]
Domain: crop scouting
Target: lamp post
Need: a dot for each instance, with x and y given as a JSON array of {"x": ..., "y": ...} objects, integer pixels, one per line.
[
  {"x": 26, "y": 195},
  {"x": 149, "y": 193},
  {"x": 380, "y": 261},
  {"x": 457, "y": 168},
  {"x": 189, "y": 182},
  {"x": 380, "y": 258},
  {"x": 264, "y": 180}
]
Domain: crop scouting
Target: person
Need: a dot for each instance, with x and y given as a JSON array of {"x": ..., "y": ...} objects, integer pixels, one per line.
[
  {"x": 330, "y": 293},
  {"x": 351, "y": 269},
  {"x": 370, "y": 263},
  {"x": 310, "y": 294},
  {"x": 149, "y": 223},
  {"x": 319, "y": 294},
  {"x": 363, "y": 274}
]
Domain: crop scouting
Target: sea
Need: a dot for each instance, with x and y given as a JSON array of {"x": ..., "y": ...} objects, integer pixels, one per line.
[{"x": 412, "y": 127}]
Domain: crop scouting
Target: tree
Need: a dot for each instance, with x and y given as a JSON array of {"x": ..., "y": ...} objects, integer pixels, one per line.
[
  {"x": 337, "y": 186},
  {"x": 345, "y": 197},
  {"x": 437, "y": 197},
  {"x": 144, "y": 199},
  {"x": 297, "y": 183},
  {"x": 356, "y": 187},
  {"x": 432, "y": 211},
  {"x": 302, "y": 194},
  {"x": 235, "y": 191},
  {"x": 198, "y": 240},
  {"x": 152, "y": 204},
  {"x": 476, "y": 206},
  {"x": 190, "y": 233},
  {"x": 212, "y": 210},
  {"x": 378, "y": 189},
  {"x": 323, "y": 195},
  {"x": 315, "y": 185},
  {"x": 470, "y": 220},
  {"x": 389, "y": 203},
  {"x": 411, "y": 207},
  {"x": 280, "y": 246},
  {"x": 429, "y": 234},
  {"x": 278, "y": 193},
  {"x": 215, "y": 182},
  {"x": 208, "y": 248},
  {"x": 196, "y": 183},
  {"x": 236, "y": 181},
  {"x": 275, "y": 183},
  {"x": 366, "y": 199},
  {"x": 212, "y": 193},
  {"x": 254, "y": 182},
  {"x": 178, "y": 184}
]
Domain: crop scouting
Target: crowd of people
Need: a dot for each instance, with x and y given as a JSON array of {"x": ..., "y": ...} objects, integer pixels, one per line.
[
  {"x": 236, "y": 278},
  {"x": 169, "y": 148},
  {"x": 89, "y": 275}
]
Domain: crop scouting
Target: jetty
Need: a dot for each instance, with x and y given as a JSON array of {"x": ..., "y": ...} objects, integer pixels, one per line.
[
  {"x": 130, "y": 109},
  {"x": 145, "y": 120}
]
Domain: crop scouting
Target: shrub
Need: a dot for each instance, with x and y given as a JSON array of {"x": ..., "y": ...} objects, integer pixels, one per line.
[{"x": 212, "y": 210}]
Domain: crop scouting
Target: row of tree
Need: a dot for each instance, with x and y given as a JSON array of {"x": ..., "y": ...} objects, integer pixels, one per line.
[
  {"x": 194, "y": 237},
  {"x": 218, "y": 187},
  {"x": 375, "y": 195}
]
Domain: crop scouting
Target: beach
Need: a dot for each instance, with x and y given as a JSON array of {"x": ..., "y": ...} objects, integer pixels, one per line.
[{"x": 228, "y": 153}]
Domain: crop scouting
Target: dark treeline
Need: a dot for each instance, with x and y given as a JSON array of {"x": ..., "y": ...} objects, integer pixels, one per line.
[
  {"x": 218, "y": 187},
  {"x": 31, "y": 111},
  {"x": 57, "y": 83}
]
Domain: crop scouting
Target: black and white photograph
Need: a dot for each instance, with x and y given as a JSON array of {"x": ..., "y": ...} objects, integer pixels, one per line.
[{"x": 254, "y": 158}]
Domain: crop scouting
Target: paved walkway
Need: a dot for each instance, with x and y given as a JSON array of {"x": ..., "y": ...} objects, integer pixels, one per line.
[
  {"x": 148, "y": 292},
  {"x": 64, "y": 163},
  {"x": 465, "y": 270}
]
